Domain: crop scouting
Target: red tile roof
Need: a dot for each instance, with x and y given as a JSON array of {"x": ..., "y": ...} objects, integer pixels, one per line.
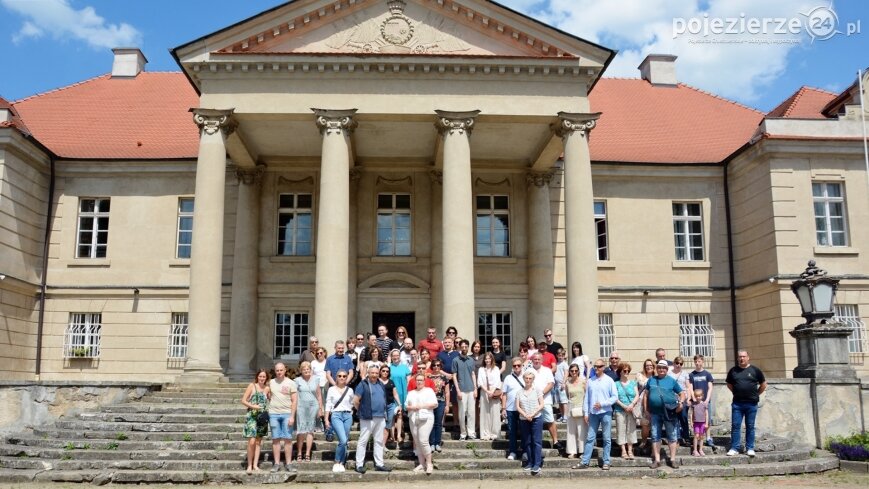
[
  {"x": 15, "y": 121},
  {"x": 805, "y": 103},
  {"x": 147, "y": 117},
  {"x": 116, "y": 118},
  {"x": 645, "y": 123}
]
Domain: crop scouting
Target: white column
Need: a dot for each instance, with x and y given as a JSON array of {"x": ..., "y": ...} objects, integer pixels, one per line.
[
  {"x": 353, "y": 255},
  {"x": 582, "y": 302},
  {"x": 206, "y": 255},
  {"x": 333, "y": 226},
  {"x": 457, "y": 220},
  {"x": 541, "y": 287},
  {"x": 436, "y": 304},
  {"x": 245, "y": 275}
]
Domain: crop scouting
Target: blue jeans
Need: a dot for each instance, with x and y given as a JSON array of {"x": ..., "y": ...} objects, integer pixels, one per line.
[
  {"x": 532, "y": 440},
  {"x": 738, "y": 412},
  {"x": 661, "y": 422},
  {"x": 513, "y": 431},
  {"x": 437, "y": 429},
  {"x": 341, "y": 423},
  {"x": 605, "y": 422}
]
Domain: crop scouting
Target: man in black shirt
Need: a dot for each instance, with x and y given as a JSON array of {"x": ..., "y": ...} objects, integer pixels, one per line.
[
  {"x": 551, "y": 345},
  {"x": 747, "y": 383}
]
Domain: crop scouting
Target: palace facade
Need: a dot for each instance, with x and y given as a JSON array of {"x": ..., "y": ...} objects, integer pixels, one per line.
[{"x": 326, "y": 166}]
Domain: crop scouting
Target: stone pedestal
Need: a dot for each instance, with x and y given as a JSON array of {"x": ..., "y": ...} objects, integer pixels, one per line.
[{"x": 822, "y": 351}]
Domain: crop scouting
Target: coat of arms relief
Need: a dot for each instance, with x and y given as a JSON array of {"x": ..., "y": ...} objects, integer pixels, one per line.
[{"x": 398, "y": 34}]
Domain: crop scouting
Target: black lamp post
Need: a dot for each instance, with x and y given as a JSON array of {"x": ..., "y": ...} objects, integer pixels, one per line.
[{"x": 822, "y": 344}]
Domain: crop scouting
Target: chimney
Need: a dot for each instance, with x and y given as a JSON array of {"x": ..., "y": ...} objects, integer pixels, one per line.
[
  {"x": 5, "y": 114},
  {"x": 128, "y": 63},
  {"x": 659, "y": 69}
]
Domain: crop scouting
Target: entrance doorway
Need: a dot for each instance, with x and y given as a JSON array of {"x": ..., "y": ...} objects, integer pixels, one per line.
[{"x": 393, "y": 320}]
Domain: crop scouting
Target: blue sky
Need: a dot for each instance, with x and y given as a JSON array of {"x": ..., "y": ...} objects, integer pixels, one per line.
[{"x": 48, "y": 44}]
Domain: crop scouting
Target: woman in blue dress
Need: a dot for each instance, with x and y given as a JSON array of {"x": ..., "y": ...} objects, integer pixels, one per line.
[{"x": 310, "y": 408}]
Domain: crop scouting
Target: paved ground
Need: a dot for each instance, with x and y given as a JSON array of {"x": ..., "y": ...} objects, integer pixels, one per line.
[{"x": 843, "y": 480}]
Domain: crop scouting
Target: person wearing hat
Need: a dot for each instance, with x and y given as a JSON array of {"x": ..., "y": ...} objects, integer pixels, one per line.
[{"x": 663, "y": 400}]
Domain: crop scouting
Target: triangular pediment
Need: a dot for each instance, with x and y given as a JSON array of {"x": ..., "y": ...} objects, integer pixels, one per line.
[
  {"x": 477, "y": 28},
  {"x": 392, "y": 27}
]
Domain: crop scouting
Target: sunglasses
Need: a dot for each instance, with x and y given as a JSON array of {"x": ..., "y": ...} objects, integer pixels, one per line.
[
  {"x": 342, "y": 376},
  {"x": 517, "y": 365},
  {"x": 548, "y": 335},
  {"x": 677, "y": 363},
  {"x": 598, "y": 366}
]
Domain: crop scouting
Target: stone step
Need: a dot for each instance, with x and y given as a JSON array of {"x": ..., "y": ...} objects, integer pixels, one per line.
[
  {"x": 157, "y": 418},
  {"x": 310, "y": 474},
  {"x": 203, "y": 394},
  {"x": 120, "y": 435},
  {"x": 155, "y": 427},
  {"x": 162, "y": 408}
]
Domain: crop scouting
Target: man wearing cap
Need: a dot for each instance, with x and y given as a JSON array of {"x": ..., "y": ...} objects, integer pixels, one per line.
[{"x": 663, "y": 400}]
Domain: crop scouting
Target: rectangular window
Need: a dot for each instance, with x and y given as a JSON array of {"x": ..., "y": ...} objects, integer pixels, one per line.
[
  {"x": 849, "y": 314},
  {"x": 830, "y": 223},
  {"x": 92, "y": 239},
  {"x": 393, "y": 225},
  {"x": 291, "y": 333},
  {"x": 178, "y": 336},
  {"x": 688, "y": 230},
  {"x": 600, "y": 229},
  {"x": 696, "y": 336},
  {"x": 493, "y": 225},
  {"x": 295, "y": 220},
  {"x": 82, "y": 337},
  {"x": 185, "y": 227},
  {"x": 495, "y": 325},
  {"x": 606, "y": 334}
]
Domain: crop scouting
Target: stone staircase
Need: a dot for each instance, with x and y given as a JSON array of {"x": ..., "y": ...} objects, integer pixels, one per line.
[{"x": 194, "y": 436}]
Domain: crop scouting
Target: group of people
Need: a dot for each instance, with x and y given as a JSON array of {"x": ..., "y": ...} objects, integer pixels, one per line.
[{"x": 483, "y": 388}]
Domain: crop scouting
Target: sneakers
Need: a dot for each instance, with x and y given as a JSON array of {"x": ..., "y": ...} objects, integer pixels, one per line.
[
  {"x": 580, "y": 466},
  {"x": 732, "y": 452},
  {"x": 437, "y": 448},
  {"x": 674, "y": 463},
  {"x": 290, "y": 468},
  {"x": 419, "y": 469},
  {"x": 463, "y": 437},
  {"x": 512, "y": 456},
  {"x": 276, "y": 468},
  {"x": 605, "y": 467},
  {"x": 360, "y": 469},
  {"x": 750, "y": 453},
  {"x": 655, "y": 465},
  {"x": 527, "y": 468},
  {"x": 337, "y": 468},
  {"x": 535, "y": 471},
  {"x": 382, "y": 468}
]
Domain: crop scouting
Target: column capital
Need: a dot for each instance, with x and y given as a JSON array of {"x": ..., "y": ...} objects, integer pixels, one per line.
[
  {"x": 250, "y": 176},
  {"x": 538, "y": 178},
  {"x": 456, "y": 122},
  {"x": 569, "y": 123},
  {"x": 212, "y": 120},
  {"x": 335, "y": 121},
  {"x": 436, "y": 176}
]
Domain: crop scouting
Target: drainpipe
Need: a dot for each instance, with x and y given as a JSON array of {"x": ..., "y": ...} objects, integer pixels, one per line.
[
  {"x": 43, "y": 283},
  {"x": 733, "y": 324}
]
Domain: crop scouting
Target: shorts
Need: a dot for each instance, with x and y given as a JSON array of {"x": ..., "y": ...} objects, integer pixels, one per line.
[
  {"x": 546, "y": 414},
  {"x": 659, "y": 421},
  {"x": 558, "y": 397},
  {"x": 280, "y": 426},
  {"x": 390, "y": 415},
  {"x": 699, "y": 428}
]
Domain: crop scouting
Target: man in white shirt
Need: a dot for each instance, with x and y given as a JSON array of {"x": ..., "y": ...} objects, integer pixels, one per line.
[
  {"x": 545, "y": 381},
  {"x": 513, "y": 385}
]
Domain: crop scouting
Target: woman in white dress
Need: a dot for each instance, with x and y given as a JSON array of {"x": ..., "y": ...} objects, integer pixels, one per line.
[{"x": 489, "y": 381}]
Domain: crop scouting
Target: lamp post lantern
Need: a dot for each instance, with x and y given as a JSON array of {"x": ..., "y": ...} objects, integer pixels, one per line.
[{"x": 822, "y": 342}]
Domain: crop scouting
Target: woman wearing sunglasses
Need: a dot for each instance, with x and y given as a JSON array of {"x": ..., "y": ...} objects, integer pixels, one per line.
[{"x": 339, "y": 416}]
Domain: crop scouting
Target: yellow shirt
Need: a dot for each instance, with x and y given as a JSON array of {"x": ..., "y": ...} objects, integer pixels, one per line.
[{"x": 281, "y": 401}]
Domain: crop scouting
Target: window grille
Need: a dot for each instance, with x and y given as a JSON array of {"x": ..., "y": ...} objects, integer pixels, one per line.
[
  {"x": 849, "y": 314},
  {"x": 393, "y": 225},
  {"x": 178, "y": 336},
  {"x": 696, "y": 336},
  {"x": 606, "y": 334},
  {"x": 82, "y": 337},
  {"x": 295, "y": 225}
]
